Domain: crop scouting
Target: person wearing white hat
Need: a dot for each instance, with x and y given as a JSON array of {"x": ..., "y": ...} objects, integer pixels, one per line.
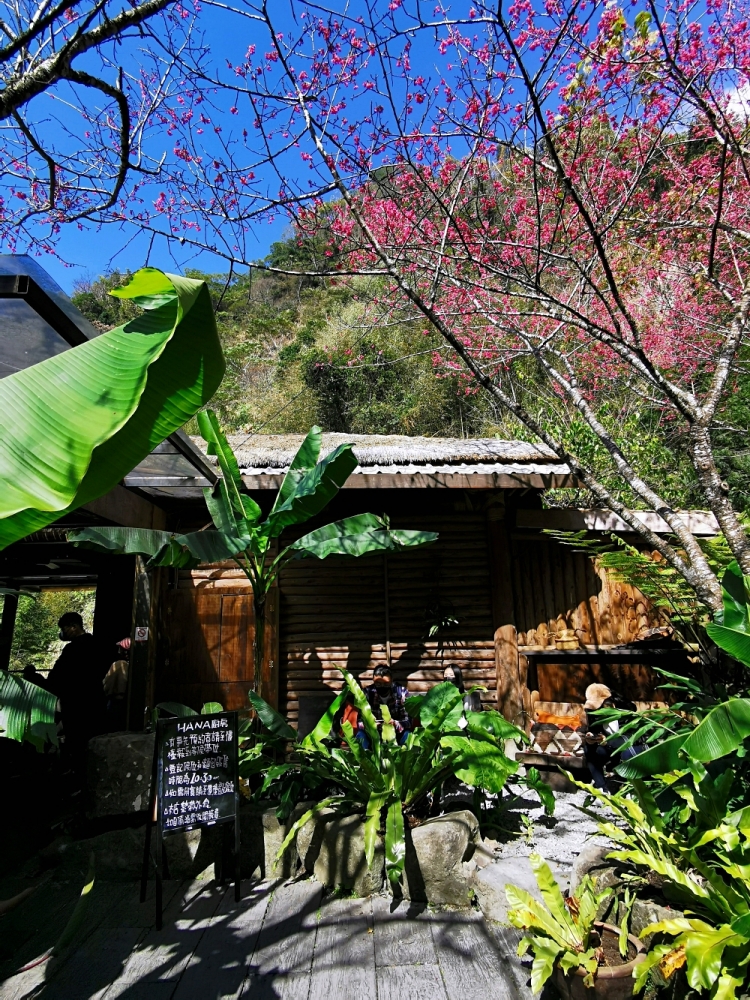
[{"x": 601, "y": 739}]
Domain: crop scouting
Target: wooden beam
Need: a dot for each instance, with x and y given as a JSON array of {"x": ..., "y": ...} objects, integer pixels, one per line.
[
  {"x": 128, "y": 509},
  {"x": 699, "y": 522}
]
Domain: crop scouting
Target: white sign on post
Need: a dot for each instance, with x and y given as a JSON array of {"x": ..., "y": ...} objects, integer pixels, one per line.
[{"x": 141, "y": 633}]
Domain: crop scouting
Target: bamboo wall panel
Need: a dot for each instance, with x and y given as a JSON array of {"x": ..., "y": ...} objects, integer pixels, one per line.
[
  {"x": 334, "y": 614},
  {"x": 556, "y": 588}
]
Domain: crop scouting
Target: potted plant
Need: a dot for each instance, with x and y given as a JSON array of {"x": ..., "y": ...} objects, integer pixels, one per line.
[{"x": 584, "y": 957}]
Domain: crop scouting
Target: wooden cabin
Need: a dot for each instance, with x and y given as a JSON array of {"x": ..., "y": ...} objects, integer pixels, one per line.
[{"x": 491, "y": 593}]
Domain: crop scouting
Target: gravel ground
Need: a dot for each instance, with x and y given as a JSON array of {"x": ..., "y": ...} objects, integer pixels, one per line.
[{"x": 559, "y": 838}]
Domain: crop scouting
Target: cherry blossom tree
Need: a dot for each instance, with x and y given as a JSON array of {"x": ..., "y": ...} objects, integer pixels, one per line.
[
  {"x": 559, "y": 189},
  {"x": 84, "y": 87}
]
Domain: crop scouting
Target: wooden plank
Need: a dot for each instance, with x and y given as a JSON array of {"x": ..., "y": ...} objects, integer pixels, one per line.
[
  {"x": 237, "y": 629},
  {"x": 470, "y": 962},
  {"x": 218, "y": 966},
  {"x": 400, "y": 938},
  {"x": 344, "y": 964},
  {"x": 417, "y": 982},
  {"x": 286, "y": 942}
]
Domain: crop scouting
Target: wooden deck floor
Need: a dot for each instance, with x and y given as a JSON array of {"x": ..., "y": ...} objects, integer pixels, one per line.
[{"x": 280, "y": 941}]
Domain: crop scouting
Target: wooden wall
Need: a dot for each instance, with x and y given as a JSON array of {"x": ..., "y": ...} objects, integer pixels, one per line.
[
  {"x": 556, "y": 588},
  {"x": 495, "y": 580},
  {"x": 342, "y": 612},
  {"x": 206, "y": 634}
]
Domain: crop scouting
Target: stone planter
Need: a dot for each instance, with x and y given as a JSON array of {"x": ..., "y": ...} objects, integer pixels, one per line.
[
  {"x": 439, "y": 866},
  {"x": 119, "y": 774},
  {"x": 438, "y": 870},
  {"x": 611, "y": 983}
]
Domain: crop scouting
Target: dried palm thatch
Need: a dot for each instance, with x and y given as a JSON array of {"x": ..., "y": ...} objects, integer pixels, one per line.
[{"x": 276, "y": 451}]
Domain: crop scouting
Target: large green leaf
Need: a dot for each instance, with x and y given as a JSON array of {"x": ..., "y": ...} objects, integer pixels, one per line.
[
  {"x": 375, "y": 803},
  {"x": 324, "y": 725},
  {"x": 74, "y": 425},
  {"x": 312, "y": 492},
  {"x": 363, "y": 707},
  {"x": 723, "y": 731},
  {"x": 273, "y": 721},
  {"x": 438, "y": 704},
  {"x": 479, "y": 763},
  {"x": 660, "y": 759},
  {"x": 162, "y": 548},
  {"x": 395, "y": 842},
  {"x": 27, "y": 711},
  {"x": 495, "y": 724},
  {"x": 306, "y": 458},
  {"x": 346, "y": 538},
  {"x": 731, "y": 628},
  {"x": 732, "y": 641},
  {"x": 236, "y": 508}
]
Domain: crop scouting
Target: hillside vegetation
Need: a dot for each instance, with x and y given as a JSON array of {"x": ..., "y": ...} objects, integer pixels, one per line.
[{"x": 303, "y": 350}]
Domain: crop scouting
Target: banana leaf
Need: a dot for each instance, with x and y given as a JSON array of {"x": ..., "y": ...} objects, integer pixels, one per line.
[
  {"x": 314, "y": 491},
  {"x": 731, "y": 627},
  {"x": 723, "y": 731},
  {"x": 27, "y": 711},
  {"x": 274, "y": 722},
  {"x": 659, "y": 759},
  {"x": 305, "y": 459},
  {"x": 160, "y": 547},
  {"x": 363, "y": 543},
  {"x": 74, "y": 425}
]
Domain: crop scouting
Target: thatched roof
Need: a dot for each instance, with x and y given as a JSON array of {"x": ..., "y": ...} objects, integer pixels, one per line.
[{"x": 265, "y": 453}]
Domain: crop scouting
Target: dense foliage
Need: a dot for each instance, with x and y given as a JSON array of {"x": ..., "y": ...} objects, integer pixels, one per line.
[{"x": 36, "y": 640}]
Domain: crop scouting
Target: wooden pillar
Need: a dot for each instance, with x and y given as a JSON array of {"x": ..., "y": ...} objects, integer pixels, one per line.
[
  {"x": 113, "y": 611},
  {"x": 7, "y": 624},
  {"x": 269, "y": 682},
  {"x": 510, "y": 684},
  {"x": 142, "y": 670}
]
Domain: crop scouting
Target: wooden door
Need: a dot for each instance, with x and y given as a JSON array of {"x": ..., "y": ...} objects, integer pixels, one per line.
[{"x": 206, "y": 648}]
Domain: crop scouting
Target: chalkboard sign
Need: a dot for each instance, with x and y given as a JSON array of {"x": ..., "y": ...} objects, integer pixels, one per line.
[
  {"x": 194, "y": 784},
  {"x": 197, "y": 769}
]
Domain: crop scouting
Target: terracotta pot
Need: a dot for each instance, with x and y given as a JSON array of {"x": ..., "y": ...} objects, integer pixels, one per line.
[{"x": 612, "y": 983}]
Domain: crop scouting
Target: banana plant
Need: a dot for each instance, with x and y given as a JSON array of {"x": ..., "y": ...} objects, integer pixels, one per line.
[
  {"x": 244, "y": 535},
  {"x": 390, "y": 779},
  {"x": 75, "y": 424},
  {"x": 724, "y": 727},
  {"x": 27, "y": 711}
]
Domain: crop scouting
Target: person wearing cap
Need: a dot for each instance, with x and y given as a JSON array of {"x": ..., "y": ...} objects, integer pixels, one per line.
[
  {"x": 76, "y": 679},
  {"x": 381, "y": 692},
  {"x": 601, "y": 740}
]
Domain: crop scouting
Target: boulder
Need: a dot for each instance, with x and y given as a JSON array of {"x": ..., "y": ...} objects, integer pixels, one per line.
[
  {"x": 490, "y": 882},
  {"x": 591, "y": 859},
  {"x": 439, "y": 865},
  {"x": 333, "y": 848},
  {"x": 274, "y": 833},
  {"x": 119, "y": 774}
]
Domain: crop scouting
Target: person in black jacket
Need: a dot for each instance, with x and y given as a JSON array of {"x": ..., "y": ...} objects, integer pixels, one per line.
[{"x": 76, "y": 679}]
